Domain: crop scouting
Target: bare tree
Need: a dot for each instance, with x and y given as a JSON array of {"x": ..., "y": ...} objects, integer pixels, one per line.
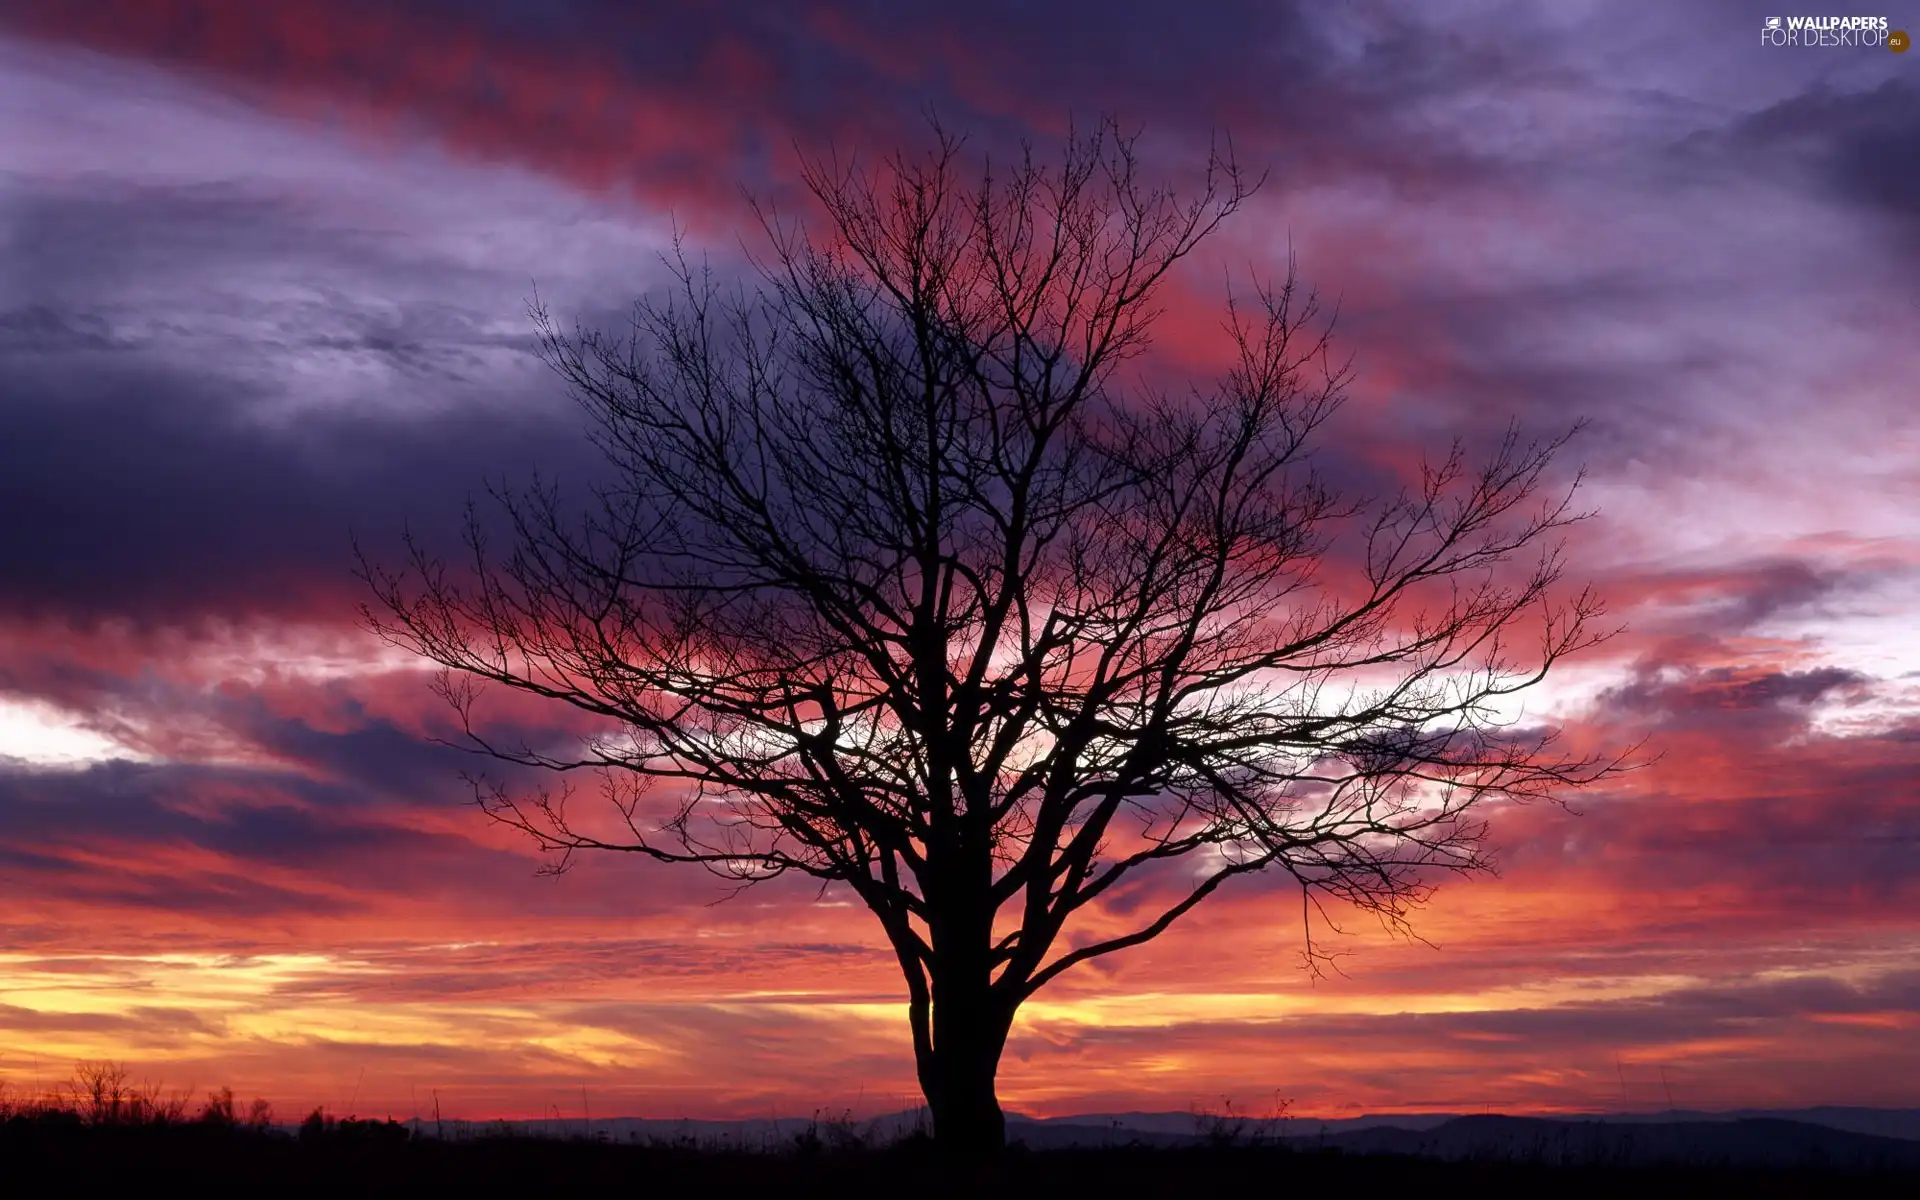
[{"x": 905, "y": 582}]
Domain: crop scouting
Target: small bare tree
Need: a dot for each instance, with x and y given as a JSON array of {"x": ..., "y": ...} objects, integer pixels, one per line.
[{"x": 903, "y": 583}]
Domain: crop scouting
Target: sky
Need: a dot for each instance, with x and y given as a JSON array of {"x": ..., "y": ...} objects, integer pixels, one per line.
[{"x": 264, "y": 274}]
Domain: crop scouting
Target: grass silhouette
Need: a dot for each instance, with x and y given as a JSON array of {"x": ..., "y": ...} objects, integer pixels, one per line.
[{"x": 100, "y": 1133}]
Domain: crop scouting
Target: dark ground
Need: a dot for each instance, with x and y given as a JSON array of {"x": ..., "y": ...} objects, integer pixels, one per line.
[{"x": 368, "y": 1159}]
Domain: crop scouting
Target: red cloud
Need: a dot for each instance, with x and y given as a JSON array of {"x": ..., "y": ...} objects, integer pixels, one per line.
[{"x": 572, "y": 110}]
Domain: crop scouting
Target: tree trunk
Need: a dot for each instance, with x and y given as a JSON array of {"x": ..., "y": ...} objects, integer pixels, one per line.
[
  {"x": 957, "y": 1075},
  {"x": 969, "y": 1021}
]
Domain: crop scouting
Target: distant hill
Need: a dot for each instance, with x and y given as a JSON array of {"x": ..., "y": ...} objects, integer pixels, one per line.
[
  {"x": 1901, "y": 1123},
  {"x": 1615, "y": 1140},
  {"x": 1827, "y": 1136},
  {"x": 1882, "y": 1122},
  {"x": 1748, "y": 1142}
]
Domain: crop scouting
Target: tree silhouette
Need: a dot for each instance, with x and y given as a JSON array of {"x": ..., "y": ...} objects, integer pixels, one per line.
[{"x": 903, "y": 581}]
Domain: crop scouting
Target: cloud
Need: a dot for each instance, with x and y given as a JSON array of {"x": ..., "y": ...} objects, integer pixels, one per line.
[
  {"x": 159, "y": 502},
  {"x": 1861, "y": 144},
  {"x": 1728, "y": 690},
  {"x": 176, "y": 451},
  {"x": 1689, "y": 1047}
]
